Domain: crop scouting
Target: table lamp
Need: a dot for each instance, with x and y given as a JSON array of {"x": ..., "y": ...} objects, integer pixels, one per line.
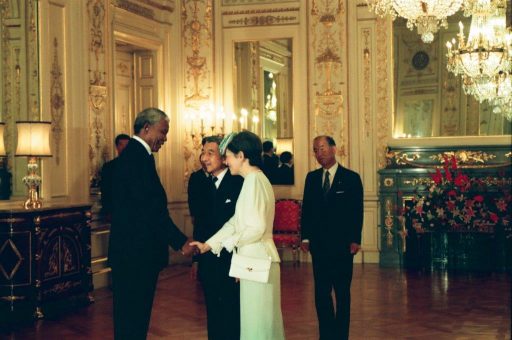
[{"x": 33, "y": 142}]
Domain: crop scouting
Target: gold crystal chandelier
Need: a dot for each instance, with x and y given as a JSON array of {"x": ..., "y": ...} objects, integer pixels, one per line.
[
  {"x": 426, "y": 15},
  {"x": 484, "y": 61}
]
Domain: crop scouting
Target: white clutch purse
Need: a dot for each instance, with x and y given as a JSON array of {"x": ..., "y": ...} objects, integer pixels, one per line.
[{"x": 250, "y": 268}]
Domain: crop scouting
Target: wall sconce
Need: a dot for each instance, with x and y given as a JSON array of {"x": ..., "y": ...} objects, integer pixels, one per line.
[
  {"x": 207, "y": 121},
  {"x": 33, "y": 142},
  {"x": 5, "y": 176}
]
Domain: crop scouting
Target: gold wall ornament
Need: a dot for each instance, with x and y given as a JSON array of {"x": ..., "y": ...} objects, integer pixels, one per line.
[
  {"x": 135, "y": 8},
  {"x": 263, "y": 20},
  {"x": 383, "y": 114},
  {"x": 402, "y": 158},
  {"x": 56, "y": 101},
  {"x": 418, "y": 181},
  {"x": 98, "y": 96},
  {"x": 97, "y": 142},
  {"x": 388, "y": 182},
  {"x": 197, "y": 43},
  {"x": 197, "y": 36},
  {"x": 329, "y": 76},
  {"x": 388, "y": 223},
  {"x": 33, "y": 59},
  {"x": 367, "y": 79},
  {"x": 463, "y": 157}
]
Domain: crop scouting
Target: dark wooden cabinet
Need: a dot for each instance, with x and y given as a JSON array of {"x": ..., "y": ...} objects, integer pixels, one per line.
[{"x": 45, "y": 259}]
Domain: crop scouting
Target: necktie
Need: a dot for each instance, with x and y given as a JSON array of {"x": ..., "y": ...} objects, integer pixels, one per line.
[
  {"x": 214, "y": 180},
  {"x": 327, "y": 185}
]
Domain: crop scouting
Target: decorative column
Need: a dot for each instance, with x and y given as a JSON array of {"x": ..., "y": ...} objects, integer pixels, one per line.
[
  {"x": 197, "y": 47},
  {"x": 98, "y": 95},
  {"x": 328, "y": 74}
]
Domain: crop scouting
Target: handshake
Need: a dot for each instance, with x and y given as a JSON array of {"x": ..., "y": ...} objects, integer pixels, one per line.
[
  {"x": 191, "y": 248},
  {"x": 188, "y": 249}
]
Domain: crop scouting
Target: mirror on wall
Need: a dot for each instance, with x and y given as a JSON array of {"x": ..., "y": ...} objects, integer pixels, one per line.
[
  {"x": 263, "y": 88},
  {"x": 430, "y": 101},
  {"x": 19, "y": 85}
]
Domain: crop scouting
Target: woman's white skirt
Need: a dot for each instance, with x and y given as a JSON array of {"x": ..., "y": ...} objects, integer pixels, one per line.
[{"x": 260, "y": 308}]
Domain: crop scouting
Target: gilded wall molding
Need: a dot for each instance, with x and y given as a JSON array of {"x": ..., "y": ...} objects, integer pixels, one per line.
[
  {"x": 464, "y": 157},
  {"x": 97, "y": 145},
  {"x": 7, "y": 75},
  {"x": 367, "y": 82},
  {"x": 328, "y": 71},
  {"x": 383, "y": 115},
  {"x": 197, "y": 43},
  {"x": 135, "y": 8},
  {"x": 260, "y": 17},
  {"x": 56, "y": 101},
  {"x": 33, "y": 59},
  {"x": 252, "y": 2},
  {"x": 431, "y": 159},
  {"x": 98, "y": 93}
]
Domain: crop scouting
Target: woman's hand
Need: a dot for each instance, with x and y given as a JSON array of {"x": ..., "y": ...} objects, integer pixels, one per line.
[{"x": 203, "y": 247}]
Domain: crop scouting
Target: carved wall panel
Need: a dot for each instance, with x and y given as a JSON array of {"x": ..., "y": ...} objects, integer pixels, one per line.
[
  {"x": 383, "y": 92},
  {"x": 263, "y": 16},
  {"x": 328, "y": 72},
  {"x": 98, "y": 94},
  {"x": 198, "y": 52},
  {"x": 58, "y": 100}
]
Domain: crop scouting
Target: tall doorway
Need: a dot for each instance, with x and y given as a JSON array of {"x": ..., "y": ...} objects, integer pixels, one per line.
[{"x": 135, "y": 84}]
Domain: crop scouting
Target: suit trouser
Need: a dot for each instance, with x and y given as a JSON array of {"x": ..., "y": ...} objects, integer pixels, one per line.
[
  {"x": 333, "y": 273},
  {"x": 222, "y": 297},
  {"x": 133, "y": 291}
]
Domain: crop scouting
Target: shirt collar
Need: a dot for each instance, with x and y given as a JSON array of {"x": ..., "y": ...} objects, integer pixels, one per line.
[
  {"x": 144, "y": 144},
  {"x": 332, "y": 170},
  {"x": 220, "y": 177}
]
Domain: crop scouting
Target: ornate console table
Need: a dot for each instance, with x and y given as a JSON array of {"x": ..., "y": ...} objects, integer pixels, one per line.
[
  {"x": 45, "y": 259},
  {"x": 407, "y": 174}
]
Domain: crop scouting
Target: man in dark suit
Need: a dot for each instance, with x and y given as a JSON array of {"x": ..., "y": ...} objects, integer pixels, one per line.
[
  {"x": 121, "y": 142},
  {"x": 196, "y": 184},
  {"x": 141, "y": 227},
  {"x": 270, "y": 161},
  {"x": 332, "y": 219},
  {"x": 214, "y": 207}
]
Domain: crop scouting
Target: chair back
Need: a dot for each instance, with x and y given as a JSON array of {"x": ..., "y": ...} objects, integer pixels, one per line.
[{"x": 287, "y": 215}]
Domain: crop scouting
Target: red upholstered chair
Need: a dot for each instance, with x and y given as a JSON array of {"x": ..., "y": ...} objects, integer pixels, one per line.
[{"x": 287, "y": 225}]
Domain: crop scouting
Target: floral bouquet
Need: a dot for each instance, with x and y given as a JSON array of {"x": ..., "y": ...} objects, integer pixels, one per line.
[{"x": 456, "y": 202}]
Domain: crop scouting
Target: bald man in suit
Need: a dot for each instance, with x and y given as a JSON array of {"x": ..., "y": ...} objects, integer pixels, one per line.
[{"x": 332, "y": 220}]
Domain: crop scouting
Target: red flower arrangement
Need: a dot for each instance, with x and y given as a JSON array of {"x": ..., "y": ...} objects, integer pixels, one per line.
[{"x": 456, "y": 202}]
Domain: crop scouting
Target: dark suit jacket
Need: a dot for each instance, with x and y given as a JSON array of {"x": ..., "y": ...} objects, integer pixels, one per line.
[
  {"x": 332, "y": 224},
  {"x": 217, "y": 206},
  {"x": 141, "y": 226},
  {"x": 106, "y": 186},
  {"x": 197, "y": 182}
]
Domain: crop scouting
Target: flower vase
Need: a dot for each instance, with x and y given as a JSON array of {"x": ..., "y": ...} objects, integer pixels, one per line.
[{"x": 439, "y": 249}]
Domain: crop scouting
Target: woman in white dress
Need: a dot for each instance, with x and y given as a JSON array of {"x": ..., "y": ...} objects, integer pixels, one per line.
[{"x": 250, "y": 231}]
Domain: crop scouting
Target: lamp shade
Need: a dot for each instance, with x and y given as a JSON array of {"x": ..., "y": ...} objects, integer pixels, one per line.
[
  {"x": 33, "y": 139},
  {"x": 2, "y": 145}
]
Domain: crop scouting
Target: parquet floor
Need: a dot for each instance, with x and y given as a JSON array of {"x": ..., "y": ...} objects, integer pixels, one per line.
[{"x": 386, "y": 304}]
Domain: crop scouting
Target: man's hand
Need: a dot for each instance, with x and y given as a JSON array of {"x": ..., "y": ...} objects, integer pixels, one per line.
[
  {"x": 354, "y": 248},
  {"x": 188, "y": 249},
  {"x": 203, "y": 247},
  {"x": 304, "y": 246},
  {"x": 193, "y": 271}
]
